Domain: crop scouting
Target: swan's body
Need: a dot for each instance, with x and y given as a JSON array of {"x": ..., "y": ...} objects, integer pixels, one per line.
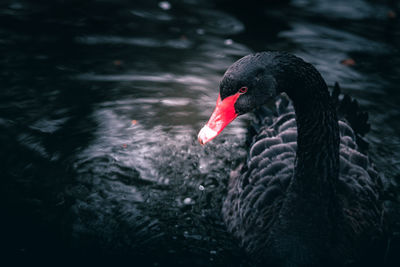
[
  {"x": 306, "y": 195},
  {"x": 310, "y": 231}
]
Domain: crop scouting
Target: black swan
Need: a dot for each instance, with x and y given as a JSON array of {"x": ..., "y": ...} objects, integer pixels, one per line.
[{"x": 307, "y": 195}]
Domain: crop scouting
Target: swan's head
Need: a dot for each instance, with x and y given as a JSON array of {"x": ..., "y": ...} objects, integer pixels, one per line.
[{"x": 246, "y": 84}]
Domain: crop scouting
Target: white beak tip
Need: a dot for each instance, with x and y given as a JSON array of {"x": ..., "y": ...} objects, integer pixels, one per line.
[{"x": 206, "y": 134}]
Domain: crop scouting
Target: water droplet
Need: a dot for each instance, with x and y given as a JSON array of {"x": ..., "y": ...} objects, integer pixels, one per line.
[
  {"x": 200, "y": 31},
  {"x": 228, "y": 41},
  {"x": 187, "y": 201},
  {"x": 164, "y": 5}
]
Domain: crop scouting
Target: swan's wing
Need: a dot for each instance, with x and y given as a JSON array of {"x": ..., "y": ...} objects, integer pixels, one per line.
[
  {"x": 349, "y": 111},
  {"x": 257, "y": 190},
  {"x": 360, "y": 186}
]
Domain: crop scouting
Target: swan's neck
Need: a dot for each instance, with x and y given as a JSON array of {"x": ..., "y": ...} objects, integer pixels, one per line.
[
  {"x": 317, "y": 159},
  {"x": 311, "y": 212},
  {"x": 312, "y": 206}
]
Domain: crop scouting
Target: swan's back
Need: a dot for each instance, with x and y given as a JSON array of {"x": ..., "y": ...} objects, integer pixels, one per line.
[{"x": 258, "y": 190}]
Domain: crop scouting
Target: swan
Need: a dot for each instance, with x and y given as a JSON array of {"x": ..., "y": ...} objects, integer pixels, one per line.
[{"x": 307, "y": 194}]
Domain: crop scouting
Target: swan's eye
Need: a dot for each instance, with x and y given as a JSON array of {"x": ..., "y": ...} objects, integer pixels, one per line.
[{"x": 242, "y": 90}]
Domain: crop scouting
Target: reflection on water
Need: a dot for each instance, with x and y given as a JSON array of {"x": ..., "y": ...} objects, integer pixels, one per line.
[{"x": 101, "y": 103}]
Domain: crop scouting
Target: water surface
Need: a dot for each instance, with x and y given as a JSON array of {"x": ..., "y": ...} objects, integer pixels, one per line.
[{"x": 101, "y": 103}]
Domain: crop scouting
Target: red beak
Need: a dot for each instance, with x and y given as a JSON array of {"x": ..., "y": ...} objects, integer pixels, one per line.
[{"x": 223, "y": 114}]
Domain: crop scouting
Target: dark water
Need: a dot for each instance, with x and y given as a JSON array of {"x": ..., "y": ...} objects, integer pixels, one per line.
[{"x": 101, "y": 101}]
